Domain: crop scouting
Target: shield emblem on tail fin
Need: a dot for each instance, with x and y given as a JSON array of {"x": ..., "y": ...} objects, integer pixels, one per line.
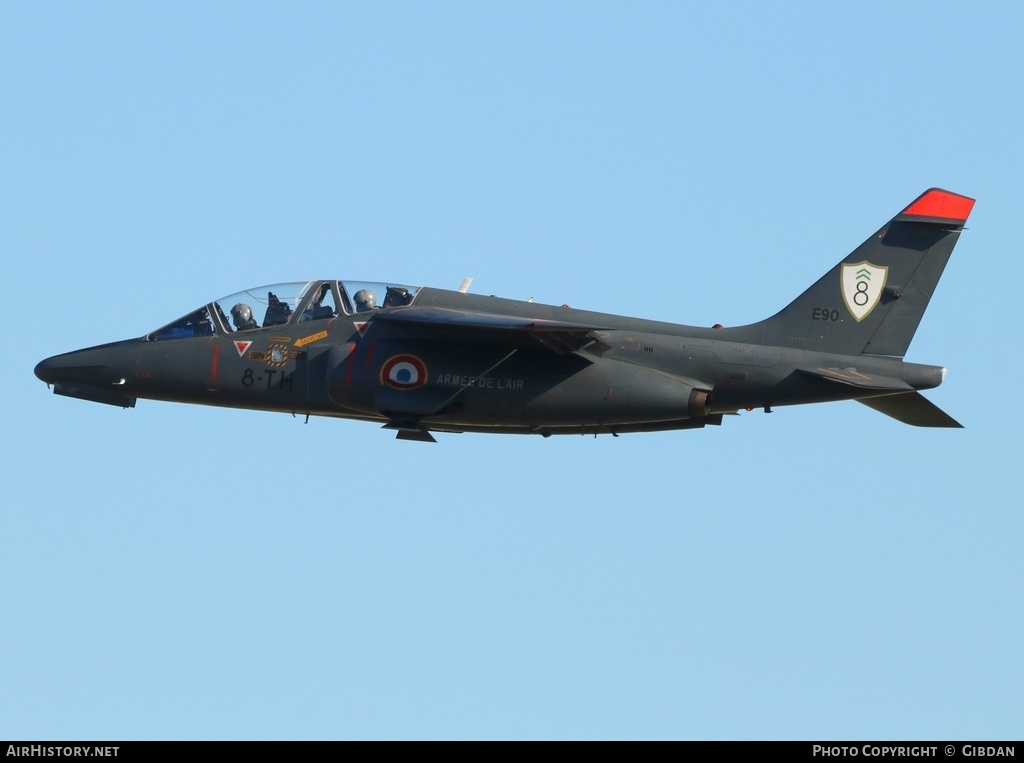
[{"x": 862, "y": 285}]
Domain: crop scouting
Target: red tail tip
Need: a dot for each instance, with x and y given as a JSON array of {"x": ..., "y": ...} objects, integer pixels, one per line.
[{"x": 942, "y": 204}]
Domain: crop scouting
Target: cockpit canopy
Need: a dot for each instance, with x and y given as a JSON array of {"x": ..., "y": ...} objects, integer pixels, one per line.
[{"x": 282, "y": 303}]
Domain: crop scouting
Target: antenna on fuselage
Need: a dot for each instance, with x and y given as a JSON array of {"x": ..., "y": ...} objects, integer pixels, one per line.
[{"x": 465, "y": 284}]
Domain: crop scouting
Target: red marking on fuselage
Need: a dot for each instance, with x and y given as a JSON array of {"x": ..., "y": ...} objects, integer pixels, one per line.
[{"x": 213, "y": 383}]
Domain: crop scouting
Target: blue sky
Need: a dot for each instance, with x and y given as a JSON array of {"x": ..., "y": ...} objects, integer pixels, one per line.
[{"x": 175, "y": 572}]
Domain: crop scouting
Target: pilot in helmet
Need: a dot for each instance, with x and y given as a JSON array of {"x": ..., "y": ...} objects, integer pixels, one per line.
[
  {"x": 241, "y": 316},
  {"x": 365, "y": 300}
]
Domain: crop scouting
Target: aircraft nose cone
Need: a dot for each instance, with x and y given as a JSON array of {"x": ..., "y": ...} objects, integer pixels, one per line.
[
  {"x": 68, "y": 367},
  {"x": 92, "y": 374},
  {"x": 95, "y": 365},
  {"x": 46, "y": 370}
]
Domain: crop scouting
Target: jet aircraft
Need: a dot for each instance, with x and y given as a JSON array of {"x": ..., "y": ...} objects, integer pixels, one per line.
[{"x": 420, "y": 360}]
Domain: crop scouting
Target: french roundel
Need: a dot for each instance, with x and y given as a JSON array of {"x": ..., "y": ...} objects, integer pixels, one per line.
[{"x": 404, "y": 372}]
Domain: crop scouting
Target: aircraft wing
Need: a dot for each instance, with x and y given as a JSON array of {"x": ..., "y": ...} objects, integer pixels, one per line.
[{"x": 562, "y": 337}]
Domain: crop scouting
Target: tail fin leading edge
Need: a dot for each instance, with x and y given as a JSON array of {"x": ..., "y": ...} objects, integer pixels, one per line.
[{"x": 872, "y": 302}]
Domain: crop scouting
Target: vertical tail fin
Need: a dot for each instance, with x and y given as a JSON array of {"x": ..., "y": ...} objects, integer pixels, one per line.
[{"x": 873, "y": 301}]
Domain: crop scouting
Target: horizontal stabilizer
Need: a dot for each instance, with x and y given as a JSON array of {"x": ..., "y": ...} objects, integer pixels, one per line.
[
  {"x": 912, "y": 408},
  {"x": 853, "y": 378}
]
